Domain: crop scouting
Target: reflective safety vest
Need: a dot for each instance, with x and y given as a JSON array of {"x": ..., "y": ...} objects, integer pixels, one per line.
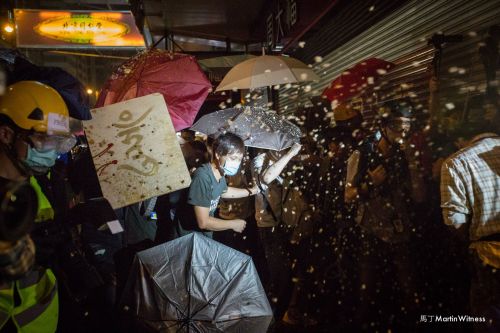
[
  {"x": 45, "y": 210},
  {"x": 39, "y": 308},
  {"x": 38, "y": 311}
]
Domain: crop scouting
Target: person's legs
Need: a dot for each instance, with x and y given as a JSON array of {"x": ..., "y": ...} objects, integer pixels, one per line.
[
  {"x": 346, "y": 272},
  {"x": 372, "y": 262},
  {"x": 405, "y": 313},
  {"x": 278, "y": 262},
  {"x": 256, "y": 250},
  {"x": 485, "y": 295},
  {"x": 165, "y": 230},
  {"x": 299, "y": 311}
]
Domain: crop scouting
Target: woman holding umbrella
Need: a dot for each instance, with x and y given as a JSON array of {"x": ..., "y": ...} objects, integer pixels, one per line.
[{"x": 209, "y": 185}]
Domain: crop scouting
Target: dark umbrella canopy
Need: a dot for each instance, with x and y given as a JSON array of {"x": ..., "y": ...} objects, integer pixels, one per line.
[
  {"x": 258, "y": 127},
  {"x": 70, "y": 89},
  {"x": 8, "y": 55},
  {"x": 178, "y": 77},
  {"x": 196, "y": 284}
]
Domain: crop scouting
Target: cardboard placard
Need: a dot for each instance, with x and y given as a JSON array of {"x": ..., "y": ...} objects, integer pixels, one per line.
[{"x": 135, "y": 150}]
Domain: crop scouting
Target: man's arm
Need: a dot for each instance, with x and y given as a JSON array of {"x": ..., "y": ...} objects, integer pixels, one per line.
[
  {"x": 454, "y": 202},
  {"x": 236, "y": 193},
  {"x": 207, "y": 222},
  {"x": 457, "y": 222},
  {"x": 273, "y": 171},
  {"x": 351, "y": 191}
]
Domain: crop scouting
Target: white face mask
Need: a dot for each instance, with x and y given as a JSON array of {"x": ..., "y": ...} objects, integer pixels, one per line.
[
  {"x": 231, "y": 167},
  {"x": 40, "y": 161}
]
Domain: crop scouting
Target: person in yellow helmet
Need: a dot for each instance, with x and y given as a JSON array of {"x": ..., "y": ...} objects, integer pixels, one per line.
[
  {"x": 34, "y": 130},
  {"x": 35, "y": 122}
]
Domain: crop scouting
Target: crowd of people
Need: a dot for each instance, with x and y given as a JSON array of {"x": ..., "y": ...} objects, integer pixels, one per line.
[
  {"x": 368, "y": 227},
  {"x": 351, "y": 230}
]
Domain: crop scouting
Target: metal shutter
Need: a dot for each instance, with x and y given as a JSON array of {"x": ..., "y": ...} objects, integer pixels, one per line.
[{"x": 401, "y": 37}]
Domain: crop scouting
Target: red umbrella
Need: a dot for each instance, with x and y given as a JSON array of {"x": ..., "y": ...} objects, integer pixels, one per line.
[
  {"x": 178, "y": 77},
  {"x": 352, "y": 81}
]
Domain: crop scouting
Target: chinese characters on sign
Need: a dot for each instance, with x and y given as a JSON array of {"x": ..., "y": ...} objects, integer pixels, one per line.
[
  {"x": 133, "y": 139},
  {"x": 135, "y": 150},
  {"x": 82, "y": 26},
  {"x": 82, "y": 29},
  {"x": 44, "y": 28},
  {"x": 280, "y": 21}
]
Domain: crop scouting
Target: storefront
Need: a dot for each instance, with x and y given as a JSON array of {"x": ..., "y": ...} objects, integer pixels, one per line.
[{"x": 402, "y": 37}]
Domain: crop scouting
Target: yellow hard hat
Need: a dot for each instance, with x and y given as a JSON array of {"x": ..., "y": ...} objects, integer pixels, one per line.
[{"x": 35, "y": 106}]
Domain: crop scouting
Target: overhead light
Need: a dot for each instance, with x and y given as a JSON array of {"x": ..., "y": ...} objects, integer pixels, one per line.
[
  {"x": 8, "y": 28},
  {"x": 90, "y": 91}
]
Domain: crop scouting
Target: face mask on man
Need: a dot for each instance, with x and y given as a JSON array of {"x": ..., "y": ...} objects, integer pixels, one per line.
[
  {"x": 231, "y": 167},
  {"x": 40, "y": 161}
]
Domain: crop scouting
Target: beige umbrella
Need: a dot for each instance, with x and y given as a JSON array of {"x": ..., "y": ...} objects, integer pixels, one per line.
[{"x": 266, "y": 71}]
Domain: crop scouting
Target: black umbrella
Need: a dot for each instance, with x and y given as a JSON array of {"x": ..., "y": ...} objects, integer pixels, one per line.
[
  {"x": 8, "y": 56},
  {"x": 195, "y": 284},
  {"x": 258, "y": 127},
  {"x": 72, "y": 91}
]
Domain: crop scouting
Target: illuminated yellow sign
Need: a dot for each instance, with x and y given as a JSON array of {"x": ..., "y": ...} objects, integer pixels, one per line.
[
  {"x": 76, "y": 29},
  {"x": 82, "y": 29}
]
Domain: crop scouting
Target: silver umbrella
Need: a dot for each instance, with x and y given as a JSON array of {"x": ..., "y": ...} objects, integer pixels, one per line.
[
  {"x": 194, "y": 284},
  {"x": 258, "y": 127}
]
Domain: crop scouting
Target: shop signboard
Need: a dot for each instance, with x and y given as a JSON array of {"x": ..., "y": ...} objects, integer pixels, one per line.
[
  {"x": 286, "y": 21},
  {"x": 280, "y": 21},
  {"x": 135, "y": 150},
  {"x": 76, "y": 29}
]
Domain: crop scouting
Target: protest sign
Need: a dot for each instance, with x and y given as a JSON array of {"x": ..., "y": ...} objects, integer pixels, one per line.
[{"x": 135, "y": 150}]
